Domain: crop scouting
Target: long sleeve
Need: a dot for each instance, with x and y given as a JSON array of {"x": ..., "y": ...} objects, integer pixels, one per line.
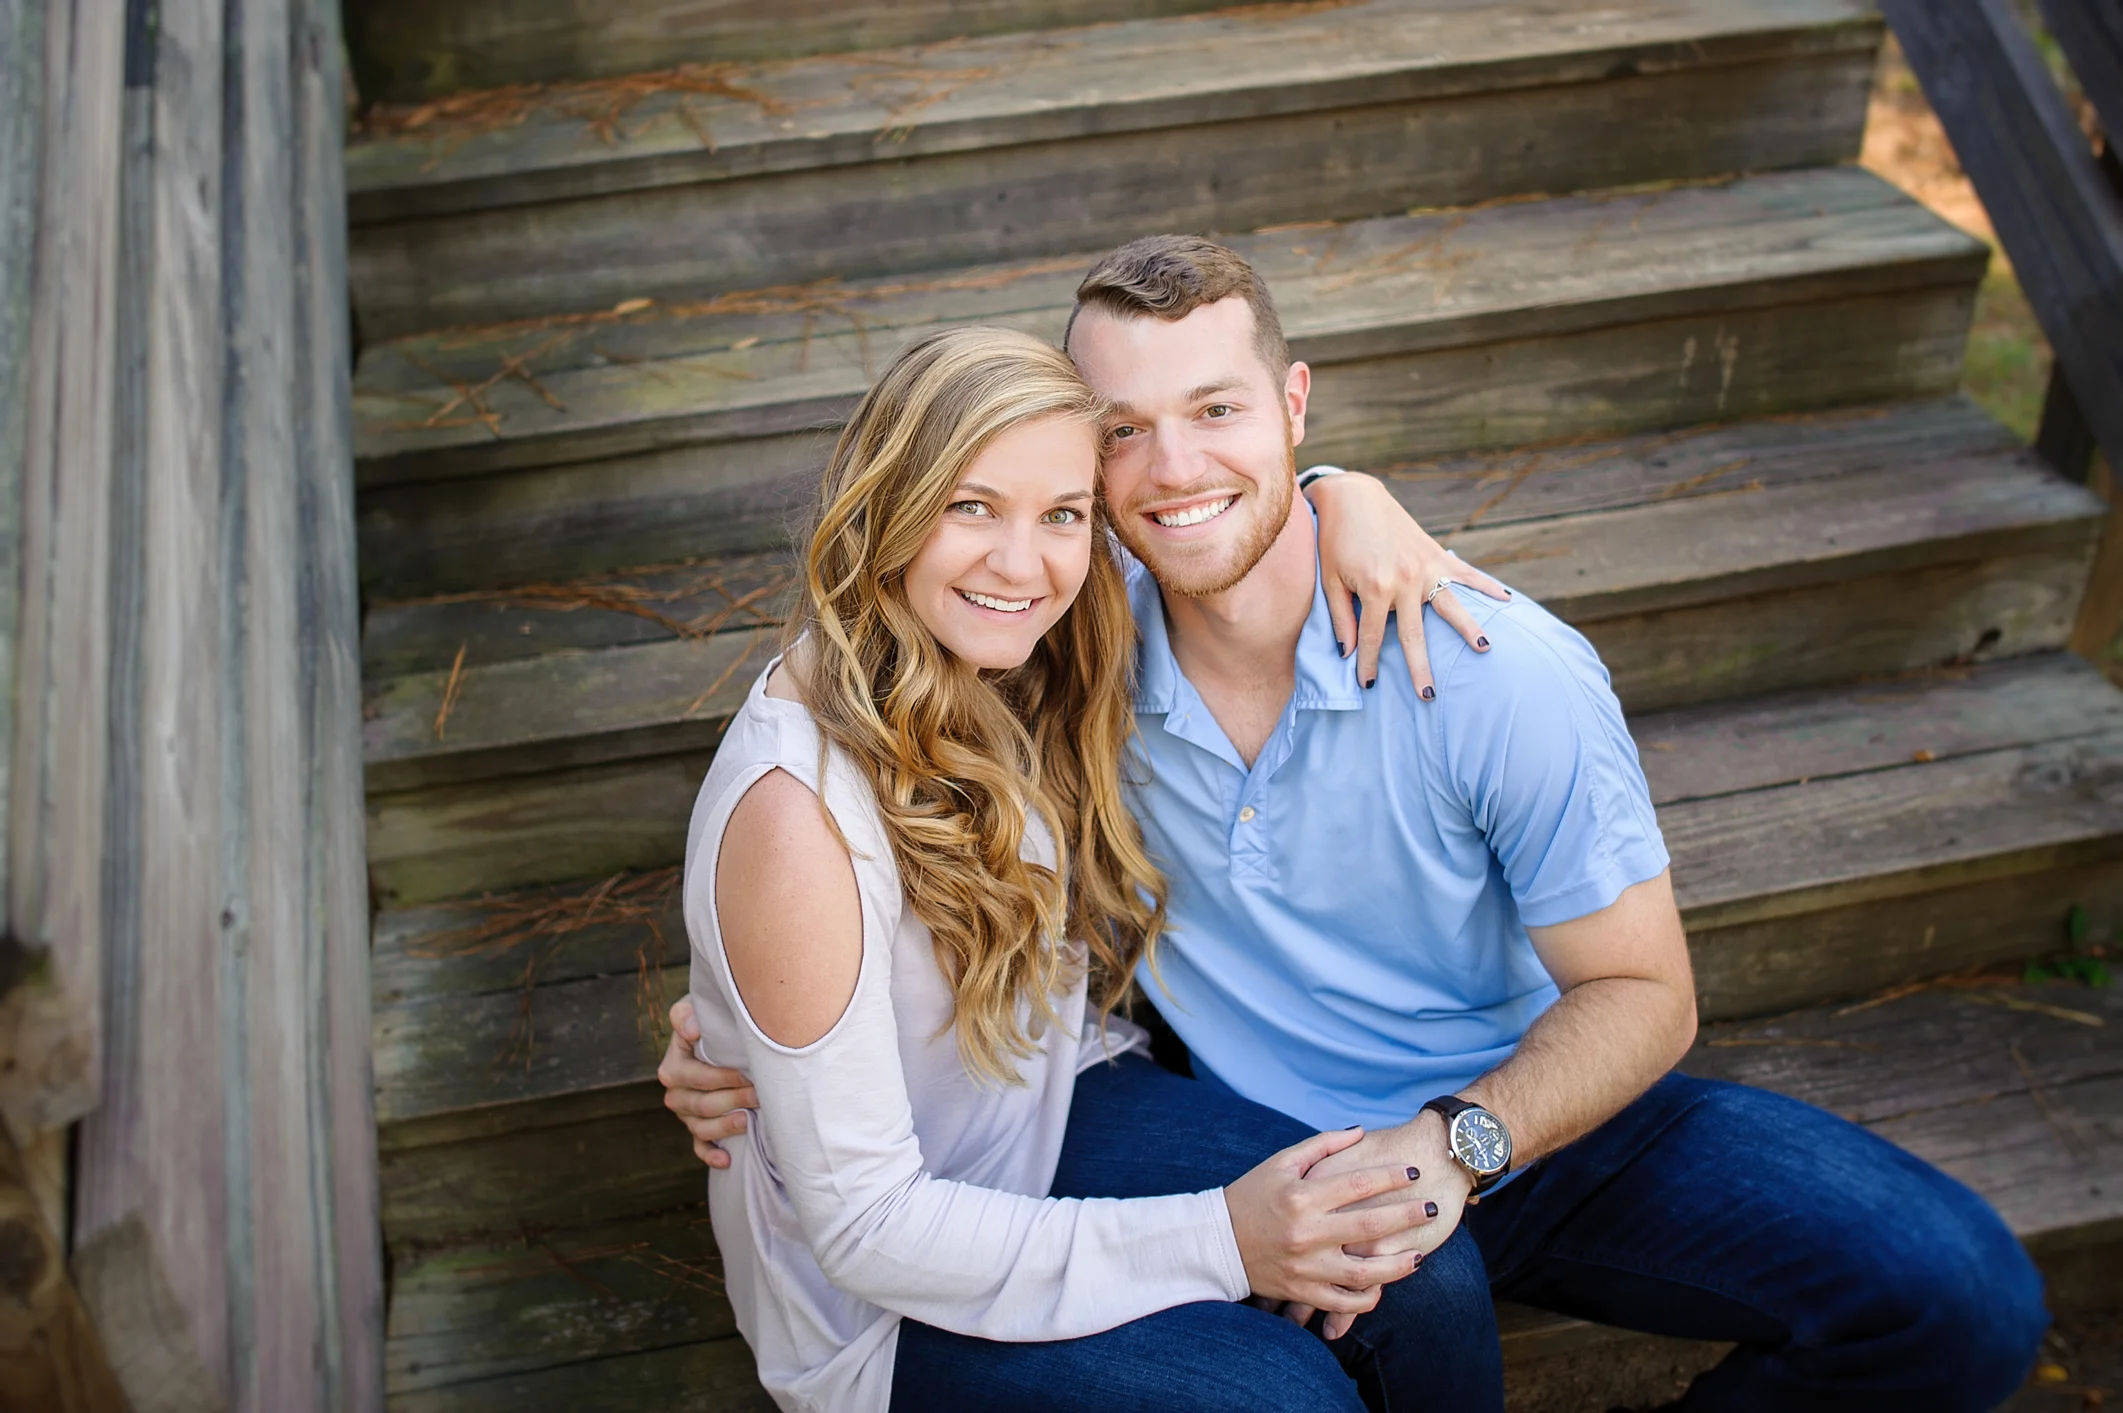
[{"x": 835, "y": 1132}]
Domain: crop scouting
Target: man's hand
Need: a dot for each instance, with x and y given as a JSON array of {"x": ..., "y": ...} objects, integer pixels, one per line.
[
  {"x": 1441, "y": 1187},
  {"x": 1372, "y": 550},
  {"x": 708, "y": 1099}
]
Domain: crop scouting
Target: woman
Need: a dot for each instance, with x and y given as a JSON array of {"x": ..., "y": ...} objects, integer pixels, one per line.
[{"x": 915, "y": 896}]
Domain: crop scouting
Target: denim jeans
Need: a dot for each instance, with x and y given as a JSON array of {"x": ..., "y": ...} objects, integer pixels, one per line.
[{"x": 1850, "y": 1274}]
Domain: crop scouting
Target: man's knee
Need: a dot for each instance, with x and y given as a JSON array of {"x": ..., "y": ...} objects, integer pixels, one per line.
[{"x": 1972, "y": 1298}]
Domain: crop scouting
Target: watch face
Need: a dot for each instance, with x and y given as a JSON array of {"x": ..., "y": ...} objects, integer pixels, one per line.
[{"x": 1480, "y": 1142}]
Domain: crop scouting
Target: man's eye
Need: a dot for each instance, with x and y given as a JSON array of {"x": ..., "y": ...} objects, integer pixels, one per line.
[
  {"x": 1217, "y": 409},
  {"x": 1115, "y": 434}
]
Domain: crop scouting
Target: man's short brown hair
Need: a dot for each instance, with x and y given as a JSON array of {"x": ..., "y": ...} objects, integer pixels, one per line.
[{"x": 1169, "y": 277}]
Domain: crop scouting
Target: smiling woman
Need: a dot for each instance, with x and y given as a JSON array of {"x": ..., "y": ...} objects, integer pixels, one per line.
[{"x": 1006, "y": 559}]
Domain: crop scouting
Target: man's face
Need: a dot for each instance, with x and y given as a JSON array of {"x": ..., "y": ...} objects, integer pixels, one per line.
[{"x": 1200, "y": 464}]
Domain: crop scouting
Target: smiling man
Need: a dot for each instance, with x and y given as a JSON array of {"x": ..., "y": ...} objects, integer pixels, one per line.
[{"x": 1447, "y": 917}]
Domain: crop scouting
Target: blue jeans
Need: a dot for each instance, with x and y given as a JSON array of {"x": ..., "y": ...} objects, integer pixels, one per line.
[{"x": 1851, "y": 1274}]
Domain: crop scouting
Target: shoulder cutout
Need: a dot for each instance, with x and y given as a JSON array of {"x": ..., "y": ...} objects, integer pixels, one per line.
[{"x": 787, "y": 907}]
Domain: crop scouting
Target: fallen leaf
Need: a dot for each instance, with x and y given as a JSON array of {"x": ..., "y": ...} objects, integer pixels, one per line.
[
  {"x": 631, "y": 306},
  {"x": 1922, "y": 757},
  {"x": 745, "y": 342},
  {"x": 2052, "y": 1374}
]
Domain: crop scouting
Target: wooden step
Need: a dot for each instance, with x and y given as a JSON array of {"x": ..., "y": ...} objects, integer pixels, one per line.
[
  {"x": 686, "y": 183},
  {"x": 2015, "y": 1089},
  {"x": 545, "y": 453},
  {"x": 580, "y": 762},
  {"x": 1825, "y": 844},
  {"x": 404, "y": 51}
]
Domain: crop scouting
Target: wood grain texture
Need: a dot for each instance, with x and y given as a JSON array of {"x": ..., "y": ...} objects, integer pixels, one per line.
[
  {"x": 778, "y": 360},
  {"x": 235, "y": 1127},
  {"x": 587, "y": 822},
  {"x": 403, "y": 52},
  {"x": 712, "y": 1377},
  {"x": 55, "y": 479},
  {"x": 2091, "y": 36},
  {"x": 2057, "y": 214},
  {"x": 2099, "y": 629},
  {"x": 1950, "y": 1075},
  {"x": 499, "y": 1174},
  {"x": 1839, "y": 863},
  {"x": 487, "y": 1309},
  {"x": 1028, "y": 201},
  {"x": 1809, "y": 529},
  {"x": 1494, "y": 390},
  {"x": 856, "y": 109}
]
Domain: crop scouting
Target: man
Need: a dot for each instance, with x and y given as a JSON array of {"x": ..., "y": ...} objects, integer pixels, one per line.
[{"x": 1446, "y": 915}]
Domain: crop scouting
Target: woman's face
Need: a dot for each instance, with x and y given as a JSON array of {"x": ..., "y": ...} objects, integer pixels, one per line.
[{"x": 1012, "y": 549}]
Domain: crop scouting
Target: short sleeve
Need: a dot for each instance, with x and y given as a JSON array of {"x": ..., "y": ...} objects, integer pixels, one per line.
[{"x": 1537, "y": 750}]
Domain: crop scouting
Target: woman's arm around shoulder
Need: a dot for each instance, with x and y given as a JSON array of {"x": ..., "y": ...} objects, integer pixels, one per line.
[{"x": 787, "y": 908}]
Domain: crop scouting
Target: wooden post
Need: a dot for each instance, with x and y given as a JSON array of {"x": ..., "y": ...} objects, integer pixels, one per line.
[
  {"x": 231, "y": 1149},
  {"x": 51, "y": 1359},
  {"x": 2055, "y": 212}
]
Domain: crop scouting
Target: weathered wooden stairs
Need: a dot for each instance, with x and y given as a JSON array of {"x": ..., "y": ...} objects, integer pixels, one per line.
[{"x": 1596, "y": 286}]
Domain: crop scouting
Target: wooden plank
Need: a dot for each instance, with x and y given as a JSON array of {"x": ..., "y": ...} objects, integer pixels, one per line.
[
  {"x": 403, "y": 52},
  {"x": 571, "y": 708},
  {"x": 1798, "y": 849},
  {"x": 329, "y": 672},
  {"x": 2098, "y": 634},
  {"x": 1948, "y": 613},
  {"x": 485, "y": 945},
  {"x": 476, "y": 836},
  {"x": 675, "y": 374},
  {"x": 1950, "y": 1074},
  {"x": 1011, "y": 90},
  {"x": 1861, "y": 947},
  {"x": 157, "y": 1145},
  {"x": 589, "y": 822},
  {"x": 712, "y": 1377},
  {"x": 55, "y": 474},
  {"x": 632, "y": 606},
  {"x": 438, "y": 1053},
  {"x": 563, "y": 523},
  {"x": 513, "y": 1172},
  {"x": 2058, "y": 216},
  {"x": 643, "y": 604},
  {"x": 513, "y": 1306},
  {"x": 955, "y": 208},
  {"x": 1698, "y": 752},
  {"x": 51, "y": 1358}
]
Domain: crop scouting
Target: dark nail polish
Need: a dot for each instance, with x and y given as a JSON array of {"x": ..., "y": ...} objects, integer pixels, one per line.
[
  {"x": 1341, "y": 647},
  {"x": 1429, "y": 694},
  {"x": 1372, "y": 683},
  {"x": 1415, "y": 1175},
  {"x": 1352, "y": 1126},
  {"x": 1430, "y": 1209},
  {"x": 1481, "y": 642},
  {"x": 1417, "y": 1263}
]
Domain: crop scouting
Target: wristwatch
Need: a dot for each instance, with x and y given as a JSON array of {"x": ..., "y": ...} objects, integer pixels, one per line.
[{"x": 1478, "y": 1140}]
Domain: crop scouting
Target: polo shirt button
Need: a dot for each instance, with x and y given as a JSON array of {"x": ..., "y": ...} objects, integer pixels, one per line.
[{"x": 1245, "y": 816}]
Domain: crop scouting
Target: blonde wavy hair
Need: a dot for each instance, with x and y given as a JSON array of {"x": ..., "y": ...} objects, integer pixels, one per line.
[{"x": 960, "y": 759}]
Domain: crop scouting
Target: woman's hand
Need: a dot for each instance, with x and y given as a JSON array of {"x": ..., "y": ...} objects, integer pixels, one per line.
[
  {"x": 1372, "y": 550},
  {"x": 1291, "y": 1232},
  {"x": 708, "y": 1099}
]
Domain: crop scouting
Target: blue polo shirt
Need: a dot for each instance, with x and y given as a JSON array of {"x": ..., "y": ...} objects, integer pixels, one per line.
[{"x": 1348, "y": 917}]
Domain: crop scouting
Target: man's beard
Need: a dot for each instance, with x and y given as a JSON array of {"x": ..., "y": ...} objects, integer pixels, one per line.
[{"x": 1199, "y": 580}]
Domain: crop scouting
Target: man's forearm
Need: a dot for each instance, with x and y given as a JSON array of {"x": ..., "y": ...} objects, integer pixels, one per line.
[{"x": 1601, "y": 1045}]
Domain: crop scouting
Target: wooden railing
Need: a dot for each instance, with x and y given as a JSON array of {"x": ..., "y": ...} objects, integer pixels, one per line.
[{"x": 2056, "y": 201}]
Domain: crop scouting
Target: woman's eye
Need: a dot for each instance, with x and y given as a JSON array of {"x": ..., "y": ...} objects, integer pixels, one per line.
[
  {"x": 969, "y": 507},
  {"x": 1064, "y": 515}
]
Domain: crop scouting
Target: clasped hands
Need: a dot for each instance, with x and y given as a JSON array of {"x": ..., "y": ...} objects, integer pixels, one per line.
[{"x": 1323, "y": 1225}]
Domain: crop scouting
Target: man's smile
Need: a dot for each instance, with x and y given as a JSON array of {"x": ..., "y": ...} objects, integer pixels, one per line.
[{"x": 1199, "y": 513}]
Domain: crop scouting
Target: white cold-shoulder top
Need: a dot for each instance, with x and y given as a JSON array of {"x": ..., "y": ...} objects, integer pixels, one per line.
[{"x": 879, "y": 1179}]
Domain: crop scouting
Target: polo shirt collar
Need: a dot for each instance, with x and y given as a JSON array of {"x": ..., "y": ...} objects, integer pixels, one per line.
[{"x": 1326, "y": 681}]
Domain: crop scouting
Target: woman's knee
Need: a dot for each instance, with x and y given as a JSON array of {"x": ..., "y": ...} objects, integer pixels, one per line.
[{"x": 1238, "y": 1359}]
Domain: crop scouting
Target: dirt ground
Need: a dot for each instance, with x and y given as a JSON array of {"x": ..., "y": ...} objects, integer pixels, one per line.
[{"x": 2081, "y": 1370}]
